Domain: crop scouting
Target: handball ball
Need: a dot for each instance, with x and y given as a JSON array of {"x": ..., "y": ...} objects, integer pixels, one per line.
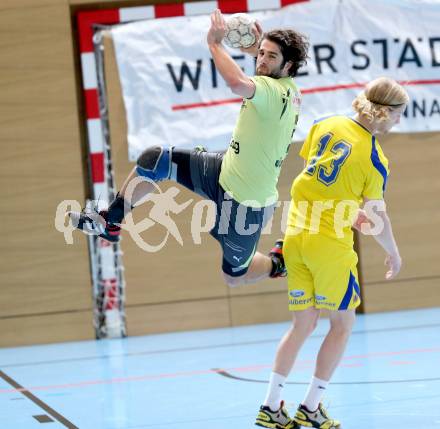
[{"x": 239, "y": 32}]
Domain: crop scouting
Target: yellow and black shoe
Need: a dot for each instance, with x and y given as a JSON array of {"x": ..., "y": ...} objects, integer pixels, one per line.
[
  {"x": 275, "y": 419},
  {"x": 315, "y": 419}
]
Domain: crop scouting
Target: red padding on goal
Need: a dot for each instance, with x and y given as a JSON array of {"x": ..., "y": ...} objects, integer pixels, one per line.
[
  {"x": 168, "y": 10},
  {"x": 86, "y": 21},
  {"x": 97, "y": 166},
  {"x": 287, "y": 2},
  {"x": 232, "y": 6},
  {"x": 92, "y": 103}
]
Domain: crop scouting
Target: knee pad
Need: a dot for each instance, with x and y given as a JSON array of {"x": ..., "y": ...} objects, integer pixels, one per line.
[{"x": 155, "y": 163}]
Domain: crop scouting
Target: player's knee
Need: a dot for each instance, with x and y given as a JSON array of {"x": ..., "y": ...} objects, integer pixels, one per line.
[
  {"x": 343, "y": 325},
  {"x": 232, "y": 281},
  {"x": 341, "y": 331},
  {"x": 306, "y": 327},
  {"x": 155, "y": 163}
]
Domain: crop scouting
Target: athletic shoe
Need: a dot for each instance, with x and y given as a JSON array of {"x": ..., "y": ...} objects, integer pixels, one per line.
[
  {"x": 316, "y": 419},
  {"x": 278, "y": 266},
  {"x": 95, "y": 223},
  {"x": 280, "y": 419}
]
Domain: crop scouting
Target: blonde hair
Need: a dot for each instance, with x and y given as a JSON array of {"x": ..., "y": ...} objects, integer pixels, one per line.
[{"x": 378, "y": 97}]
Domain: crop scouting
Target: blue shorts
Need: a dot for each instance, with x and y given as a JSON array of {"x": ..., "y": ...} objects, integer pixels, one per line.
[{"x": 237, "y": 227}]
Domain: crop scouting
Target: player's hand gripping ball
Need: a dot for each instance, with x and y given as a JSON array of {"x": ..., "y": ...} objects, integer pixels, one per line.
[{"x": 240, "y": 31}]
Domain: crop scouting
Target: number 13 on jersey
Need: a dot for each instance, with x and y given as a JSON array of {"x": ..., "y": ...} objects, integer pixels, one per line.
[{"x": 329, "y": 174}]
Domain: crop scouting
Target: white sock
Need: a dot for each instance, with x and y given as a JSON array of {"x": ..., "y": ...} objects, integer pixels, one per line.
[
  {"x": 273, "y": 397},
  {"x": 314, "y": 393}
]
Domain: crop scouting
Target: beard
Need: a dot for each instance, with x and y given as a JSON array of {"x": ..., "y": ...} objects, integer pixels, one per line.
[{"x": 275, "y": 74}]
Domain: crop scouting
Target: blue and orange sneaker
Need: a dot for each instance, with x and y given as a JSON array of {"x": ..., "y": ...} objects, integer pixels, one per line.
[
  {"x": 278, "y": 265},
  {"x": 95, "y": 223}
]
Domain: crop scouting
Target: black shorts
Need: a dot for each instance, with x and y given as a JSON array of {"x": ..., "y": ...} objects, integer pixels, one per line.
[{"x": 237, "y": 227}]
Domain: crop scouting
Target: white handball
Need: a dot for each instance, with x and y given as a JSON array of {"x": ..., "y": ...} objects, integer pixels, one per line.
[{"x": 239, "y": 32}]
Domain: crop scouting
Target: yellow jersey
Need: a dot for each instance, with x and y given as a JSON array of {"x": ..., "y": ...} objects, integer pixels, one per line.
[
  {"x": 344, "y": 164},
  {"x": 260, "y": 141}
]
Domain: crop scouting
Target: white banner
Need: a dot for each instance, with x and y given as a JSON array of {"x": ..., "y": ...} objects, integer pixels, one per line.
[{"x": 173, "y": 94}]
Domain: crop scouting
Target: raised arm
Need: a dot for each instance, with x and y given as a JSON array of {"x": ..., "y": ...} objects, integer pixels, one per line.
[{"x": 233, "y": 75}]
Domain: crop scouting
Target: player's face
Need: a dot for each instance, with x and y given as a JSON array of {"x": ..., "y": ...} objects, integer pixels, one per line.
[
  {"x": 270, "y": 60},
  {"x": 394, "y": 118}
]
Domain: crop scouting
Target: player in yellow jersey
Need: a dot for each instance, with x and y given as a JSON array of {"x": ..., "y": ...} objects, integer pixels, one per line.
[
  {"x": 345, "y": 168},
  {"x": 242, "y": 182}
]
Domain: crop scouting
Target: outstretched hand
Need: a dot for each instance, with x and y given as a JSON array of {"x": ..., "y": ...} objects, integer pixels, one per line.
[
  {"x": 258, "y": 31},
  {"x": 217, "y": 30}
]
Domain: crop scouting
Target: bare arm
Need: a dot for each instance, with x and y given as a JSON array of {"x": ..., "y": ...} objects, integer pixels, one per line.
[
  {"x": 233, "y": 75},
  {"x": 382, "y": 232}
]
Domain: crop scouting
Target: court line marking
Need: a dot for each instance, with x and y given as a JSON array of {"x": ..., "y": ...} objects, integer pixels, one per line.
[
  {"x": 208, "y": 347},
  {"x": 25, "y": 392},
  {"x": 253, "y": 368},
  {"x": 227, "y": 374}
]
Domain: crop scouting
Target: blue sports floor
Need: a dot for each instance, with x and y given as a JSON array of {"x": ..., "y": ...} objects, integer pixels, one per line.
[{"x": 389, "y": 378}]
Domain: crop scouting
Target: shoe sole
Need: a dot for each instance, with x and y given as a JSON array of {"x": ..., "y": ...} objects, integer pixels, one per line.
[
  {"x": 300, "y": 423},
  {"x": 74, "y": 219},
  {"x": 275, "y": 425}
]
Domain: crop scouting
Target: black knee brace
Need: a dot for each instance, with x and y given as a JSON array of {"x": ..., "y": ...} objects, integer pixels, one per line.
[{"x": 155, "y": 163}]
